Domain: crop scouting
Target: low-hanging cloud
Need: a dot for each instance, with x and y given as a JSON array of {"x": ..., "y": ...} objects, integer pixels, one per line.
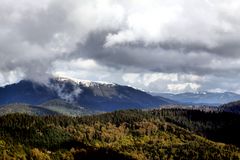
[
  {"x": 69, "y": 93},
  {"x": 149, "y": 36}
]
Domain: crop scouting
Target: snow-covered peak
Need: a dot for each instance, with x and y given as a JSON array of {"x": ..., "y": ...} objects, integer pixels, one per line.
[
  {"x": 140, "y": 89},
  {"x": 200, "y": 93},
  {"x": 63, "y": 79},
  {"x": 86, "y": 83}
]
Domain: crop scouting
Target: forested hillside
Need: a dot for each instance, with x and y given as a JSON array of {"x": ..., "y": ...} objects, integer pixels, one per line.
[
  {"x": 233, "y": 107},
  {"x": 130, "y": 134}
]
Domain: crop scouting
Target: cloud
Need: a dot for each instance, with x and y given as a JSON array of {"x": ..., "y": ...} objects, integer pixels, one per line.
[
  {"x": 153, "y": 44},
  {"x": 183, "y": 87},
  {"x": 168, "y": 82},
  {"x": 67, "y": 92}
]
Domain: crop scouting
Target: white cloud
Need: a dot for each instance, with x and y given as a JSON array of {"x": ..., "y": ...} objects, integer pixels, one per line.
[
  {"x": 184, "y": 21},
  {"x": 191, "y": 78},
  {"x": 164, "y": 82},
  {"x": 183, "y": 87},
  {"x": 145, "y": 22},
  {"x": 131, "y": 78}
]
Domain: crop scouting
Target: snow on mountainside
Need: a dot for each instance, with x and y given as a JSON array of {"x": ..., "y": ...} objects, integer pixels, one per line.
[{"x": 86, "y": 83}]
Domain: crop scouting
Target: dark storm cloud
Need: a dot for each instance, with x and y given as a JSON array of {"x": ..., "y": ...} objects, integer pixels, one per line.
[{"x": 167, "y": 57}]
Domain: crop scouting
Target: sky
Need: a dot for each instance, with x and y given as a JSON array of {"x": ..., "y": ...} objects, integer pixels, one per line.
[{"x": 155, "y": 45}]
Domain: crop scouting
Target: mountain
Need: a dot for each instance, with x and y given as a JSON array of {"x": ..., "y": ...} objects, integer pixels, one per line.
[
  {"x": 201, "y": 98},
  {"x": 97, "y": 96},
  {"x": 233, "y": 107},
  {"x": 26, "y": 92}
]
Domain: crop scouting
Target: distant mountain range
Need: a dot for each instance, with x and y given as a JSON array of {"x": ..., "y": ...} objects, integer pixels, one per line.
[
  {"x": 92, "y": 96},
  {"x": 77, "y": 97},
  {"x": 201, "y": 98}
]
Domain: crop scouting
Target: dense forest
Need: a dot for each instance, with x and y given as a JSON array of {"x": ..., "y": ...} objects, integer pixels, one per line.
[{"x": 129, "y": 134}]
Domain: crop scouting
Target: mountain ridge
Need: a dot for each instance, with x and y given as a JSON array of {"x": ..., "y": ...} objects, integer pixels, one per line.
[
  {"x": 201, "y": 98},
  {"x": 90, "y": 95}
]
